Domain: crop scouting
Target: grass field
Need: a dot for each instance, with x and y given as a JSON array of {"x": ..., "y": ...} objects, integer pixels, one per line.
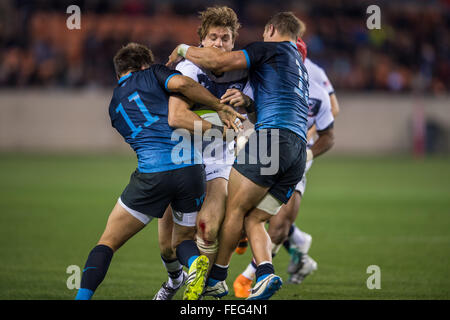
[{"x": 390, "y": 212}]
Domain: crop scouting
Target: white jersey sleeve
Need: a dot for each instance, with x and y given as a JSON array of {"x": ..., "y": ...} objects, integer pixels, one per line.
[
  {"x": 188, "y": 69},
  {"x": 319, "y": 107},
  {"x": 318, "y": 75},
  {"x": 248, "y": 91}
]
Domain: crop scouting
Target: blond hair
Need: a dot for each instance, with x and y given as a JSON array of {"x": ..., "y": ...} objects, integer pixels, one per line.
[{"x": 218, "y": 17}]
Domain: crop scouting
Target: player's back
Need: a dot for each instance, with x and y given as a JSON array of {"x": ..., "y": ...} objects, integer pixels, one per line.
[
  {"x": 280, "y": 86},
  {"x": 139, "y": 112}
]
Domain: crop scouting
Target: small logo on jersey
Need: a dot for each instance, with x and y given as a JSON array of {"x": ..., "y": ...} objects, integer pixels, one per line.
[
  {"x": 238, "y": 86},
  {"x": 314, "y": 107}
]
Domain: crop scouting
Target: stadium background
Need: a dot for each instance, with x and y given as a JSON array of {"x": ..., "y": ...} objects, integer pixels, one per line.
[{"x": 381, "y": 196}]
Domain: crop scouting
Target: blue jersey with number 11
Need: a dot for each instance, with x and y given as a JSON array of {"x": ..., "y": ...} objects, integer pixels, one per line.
[{"x": 139, "y": 112}]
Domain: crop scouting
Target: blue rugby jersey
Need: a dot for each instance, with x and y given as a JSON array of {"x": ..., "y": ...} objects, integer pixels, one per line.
[
  {"x": 139, "y": 112},
  {"x": 280, "y": 86}
]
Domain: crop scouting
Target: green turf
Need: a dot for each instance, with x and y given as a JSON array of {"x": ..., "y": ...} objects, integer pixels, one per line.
[{"x": 390, "y": 212}]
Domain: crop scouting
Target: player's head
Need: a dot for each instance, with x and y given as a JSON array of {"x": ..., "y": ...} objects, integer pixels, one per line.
[
  {"x": 219, "y": 28},
  {"x": 283, "y": 25},
  {"x": 132, "y": 57}
]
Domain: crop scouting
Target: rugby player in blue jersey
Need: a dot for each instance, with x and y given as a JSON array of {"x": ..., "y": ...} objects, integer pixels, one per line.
[
  {"x": 144, "y": 110},
  {"x": 280, "y": 85}
]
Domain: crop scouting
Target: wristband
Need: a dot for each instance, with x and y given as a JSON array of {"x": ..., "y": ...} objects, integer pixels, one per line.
[{"x": 182, "y": 49}]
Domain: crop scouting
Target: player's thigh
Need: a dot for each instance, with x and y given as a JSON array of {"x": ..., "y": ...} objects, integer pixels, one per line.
[
  {"x": 120, "y": 227},
  {"x": 190, "y": 189},
  {"x": 243, "y": 193},
  {"x": 213, "y": 209}
]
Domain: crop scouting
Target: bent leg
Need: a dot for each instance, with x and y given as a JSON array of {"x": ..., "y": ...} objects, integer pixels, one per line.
[
  {"x": 120, "y": 227},
  {"x": 281, "y": 223},
  {"x": 243, "y": 195}
]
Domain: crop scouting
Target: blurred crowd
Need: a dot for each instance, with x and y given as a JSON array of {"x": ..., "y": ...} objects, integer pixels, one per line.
[{"x": 409, "y": 53}]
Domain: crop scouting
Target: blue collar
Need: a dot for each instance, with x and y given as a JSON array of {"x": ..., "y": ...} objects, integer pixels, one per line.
[
  {"x": 294, "y": 44},
  {"x": 121, "y": 80}
]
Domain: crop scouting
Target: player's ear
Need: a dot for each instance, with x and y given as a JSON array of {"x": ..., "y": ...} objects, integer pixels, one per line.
[{"x": 271, "y": 30}]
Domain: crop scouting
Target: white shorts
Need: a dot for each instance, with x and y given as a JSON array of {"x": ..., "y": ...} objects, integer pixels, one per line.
[
  {"x": 301, "y": 186},
  {"x": 218, "y": 164}
]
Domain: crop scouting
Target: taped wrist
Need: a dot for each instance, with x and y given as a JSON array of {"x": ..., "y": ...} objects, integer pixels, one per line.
[{"x": 182, "y": 49}]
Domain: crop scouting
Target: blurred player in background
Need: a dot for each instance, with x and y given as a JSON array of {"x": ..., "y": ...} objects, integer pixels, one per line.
[
  {"x": 279, "y": 80},
  {"x": 143, "y": 111},
  {"x": 218, "y": 29}
]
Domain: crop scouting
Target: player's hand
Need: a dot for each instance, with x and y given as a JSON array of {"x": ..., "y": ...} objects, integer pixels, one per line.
[
  {"x": 231, "y": 118},
  {"x": 235, "y": 98},
  {"x": 174, "y": 58}
]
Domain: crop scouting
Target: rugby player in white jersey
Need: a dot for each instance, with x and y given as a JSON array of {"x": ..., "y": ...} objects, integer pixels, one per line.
[
  {"x": 218, "y": 29},
  {"x": 320, "y": 122}
]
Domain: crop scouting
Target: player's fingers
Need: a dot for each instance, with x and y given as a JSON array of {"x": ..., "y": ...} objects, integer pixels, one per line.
[
  {"x": 235, "y": 101},
  {"x": 225, "y": 100},
  {"x": 228, "y": 93},
  {"x": 234, "y": 126},
  {"x": 226, "y": 123}
]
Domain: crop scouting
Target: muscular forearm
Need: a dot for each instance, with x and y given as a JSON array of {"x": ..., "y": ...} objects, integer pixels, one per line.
[
  {"x": 323, "y": 143},
  {"x": 181, "y": 117},
  {"x": 198, "y": 94},
  {"x": 208, "y": 58}
]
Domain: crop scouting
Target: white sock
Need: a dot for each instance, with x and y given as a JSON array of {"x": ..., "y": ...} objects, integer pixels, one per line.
[
  {"x": 297, "y": 237},
  {"x": 175, "y": 282},
  {"x": 173, "y": 267},
  {"x": 249, "y": 272}
]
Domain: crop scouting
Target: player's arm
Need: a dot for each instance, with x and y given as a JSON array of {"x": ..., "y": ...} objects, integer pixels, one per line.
[
  {"x": 334, "y": 105},
  {"x": 209, "y": 58},
  {"x": 324, "y": 142},
  {"x": 198, "y": 94},
  {"x": 180, "y": 115},
  {"x": 312, "y": 132}
]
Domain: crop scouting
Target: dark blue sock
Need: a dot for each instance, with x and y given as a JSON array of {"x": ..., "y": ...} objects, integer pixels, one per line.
[
  {"x": 217, "y": 274},
  {"x": 287, "y": 243},
  {"x": 94, "y": 271},
  {"x": 187, "y": 251},
  {"x": 263, "y": 270}
]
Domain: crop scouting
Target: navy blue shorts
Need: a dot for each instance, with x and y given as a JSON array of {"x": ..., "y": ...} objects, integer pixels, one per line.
[
  {"x": 291, "y": 158},
  {"x": 151, "y": 193}
]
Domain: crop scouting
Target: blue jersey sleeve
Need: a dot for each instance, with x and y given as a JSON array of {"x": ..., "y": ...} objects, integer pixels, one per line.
[
  {"x": 163, "y": 75},
  {"x": 256, "y": 53}
]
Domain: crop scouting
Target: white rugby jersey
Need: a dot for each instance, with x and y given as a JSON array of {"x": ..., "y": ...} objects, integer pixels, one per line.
[
  {"x": 318, "y": 75},
  {"x": 319, "y": 107},
  {"x": 217, "y": 85}
]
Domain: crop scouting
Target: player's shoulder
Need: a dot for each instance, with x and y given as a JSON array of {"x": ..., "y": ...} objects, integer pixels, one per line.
[{"x": 187, "y": 64}]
